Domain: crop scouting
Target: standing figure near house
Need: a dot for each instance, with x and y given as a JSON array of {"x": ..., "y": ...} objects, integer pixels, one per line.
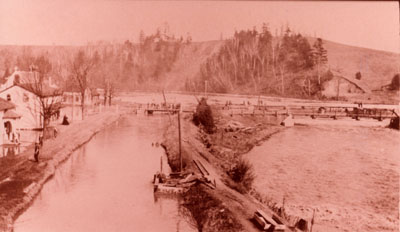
[
  {"x": 36, "y": 154},
  {"x": 65, "y": 121}
]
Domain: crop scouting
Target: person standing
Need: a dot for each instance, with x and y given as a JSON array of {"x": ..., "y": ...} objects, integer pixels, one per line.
[{"x": 36, "y": 154}]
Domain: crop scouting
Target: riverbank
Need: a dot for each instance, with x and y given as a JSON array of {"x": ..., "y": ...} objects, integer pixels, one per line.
[
  {"x": 348, "y": 175},
  {"x": 21, "y": 179},
  {"x": 279, "y": 180},
  {"x": 225, "y": 208}
]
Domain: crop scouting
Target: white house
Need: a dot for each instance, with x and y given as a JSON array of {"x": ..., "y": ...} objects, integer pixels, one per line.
[{"x": 28, "y": 104}]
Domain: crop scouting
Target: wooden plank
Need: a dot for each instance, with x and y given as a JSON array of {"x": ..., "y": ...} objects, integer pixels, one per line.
[{"x": 203, "y": 167}]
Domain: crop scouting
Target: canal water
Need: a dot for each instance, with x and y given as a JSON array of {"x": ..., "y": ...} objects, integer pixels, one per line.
[
  {"x": 106, "y": 185},
  {"x": 348, "y": 174}
]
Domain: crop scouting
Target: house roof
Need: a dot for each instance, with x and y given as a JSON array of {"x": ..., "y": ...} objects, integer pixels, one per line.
[
  {"x": 24, "y": 76},
  {"x": 10, "y": 114},
  {"x": 359, "y": 84},
  {"x": 6, "y": 105},
  {"x": 46, "y": 90}
]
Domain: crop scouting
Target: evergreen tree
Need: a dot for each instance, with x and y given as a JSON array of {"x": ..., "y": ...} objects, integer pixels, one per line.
[{"x": 320, "y": 57}]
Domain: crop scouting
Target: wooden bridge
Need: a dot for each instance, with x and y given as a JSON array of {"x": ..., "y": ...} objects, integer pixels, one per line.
[
  {"x": 355, "y": 111},
  {"x": 313, "y": 110},
  {"x": 165, "y": 110}
]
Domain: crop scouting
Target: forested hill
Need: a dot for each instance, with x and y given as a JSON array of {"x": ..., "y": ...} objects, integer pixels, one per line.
[
  {"x": 161, "y": 62},
  {"x": 291, "y": 65}
]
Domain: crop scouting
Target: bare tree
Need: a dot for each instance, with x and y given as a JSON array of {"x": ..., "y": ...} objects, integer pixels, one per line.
[
  {"x": 49, "y": 99},
  {"x": 105, "y": 76},
  {"x": 80, "y": 67}
]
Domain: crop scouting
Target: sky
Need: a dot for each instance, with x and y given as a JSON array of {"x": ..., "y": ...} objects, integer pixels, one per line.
[{"x": 52, "y": 22}]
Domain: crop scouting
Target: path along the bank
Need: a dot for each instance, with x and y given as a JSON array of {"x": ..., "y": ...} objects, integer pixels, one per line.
[{"x": 21, "y": 179}]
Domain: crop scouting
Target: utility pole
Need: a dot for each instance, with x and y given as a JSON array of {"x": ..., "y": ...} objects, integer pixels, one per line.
[{"x": 180, "y": 149}]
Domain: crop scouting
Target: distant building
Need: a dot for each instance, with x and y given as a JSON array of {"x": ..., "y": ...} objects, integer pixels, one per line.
[
  {"x": 95, "y": 94},
  {"x": 344, "y": 86},
  {"x": 72, "y": 96}
]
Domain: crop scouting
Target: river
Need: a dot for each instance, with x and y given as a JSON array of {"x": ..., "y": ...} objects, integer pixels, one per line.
[
  {"x": 106, "y": 185},
  {"x": 349, "y": 175}
]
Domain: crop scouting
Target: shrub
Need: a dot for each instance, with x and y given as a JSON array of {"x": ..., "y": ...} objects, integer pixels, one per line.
[
  {"x": 243, "y": 174},
  {"x": 206, "y": 212},
  {"x": 204, "y": 117},
  {"x": 358, "y": 76},
  {"x": 395, "y": 84}
]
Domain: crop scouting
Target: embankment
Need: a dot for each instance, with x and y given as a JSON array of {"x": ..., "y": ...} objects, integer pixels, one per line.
[
  {"x": 222, "y": 208},
  {"x": 23, "y": 179}
]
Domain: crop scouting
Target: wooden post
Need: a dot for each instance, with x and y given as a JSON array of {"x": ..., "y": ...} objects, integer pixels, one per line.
[
  {"x": 165, "y": 102},
  {"x": 165, "y": 99},
  {"x": 312, "y": 220},
  {"x": 180, "y": 149},
  {"x": 338, "y": 89},
  {"x": 161, "y": 164}
]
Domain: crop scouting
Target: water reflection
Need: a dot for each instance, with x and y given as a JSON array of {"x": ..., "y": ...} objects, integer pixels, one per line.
[
  {"x": 10, "y": 150},
  {"x": 106, "y": 185}
]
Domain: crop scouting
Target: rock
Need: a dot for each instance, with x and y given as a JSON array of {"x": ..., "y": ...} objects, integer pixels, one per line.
[
  {"x": 395, "y": 123},
  {"x": 233, "y": 126},
  {"x": 248, "y": 130},
  {"x": 288, "y": 122}
]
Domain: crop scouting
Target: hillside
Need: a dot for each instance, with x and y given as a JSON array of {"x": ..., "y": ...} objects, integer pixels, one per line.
[
  {"x": 377, "y": 67},
  {"x": 188, "y": 64}
]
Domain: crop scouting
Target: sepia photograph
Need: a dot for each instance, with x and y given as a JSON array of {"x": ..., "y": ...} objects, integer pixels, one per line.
[{"x": 208, "y": 116}]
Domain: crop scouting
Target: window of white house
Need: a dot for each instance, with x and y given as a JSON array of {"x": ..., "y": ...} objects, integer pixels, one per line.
[
  {"x": 25, "y": 98},
  {"x": 8, "y": 97}
]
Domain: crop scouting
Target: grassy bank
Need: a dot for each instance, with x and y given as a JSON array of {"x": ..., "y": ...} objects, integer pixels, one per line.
[
  {"x": 21, "y": 179},
  {"x": 228, "y": 207}
]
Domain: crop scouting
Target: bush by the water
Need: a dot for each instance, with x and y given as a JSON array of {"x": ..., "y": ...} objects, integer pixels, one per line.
[
  {"x": 204, "y": 117},
  {"x": 206, "y": 212},
  {"x": 243, "y": 175}
]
